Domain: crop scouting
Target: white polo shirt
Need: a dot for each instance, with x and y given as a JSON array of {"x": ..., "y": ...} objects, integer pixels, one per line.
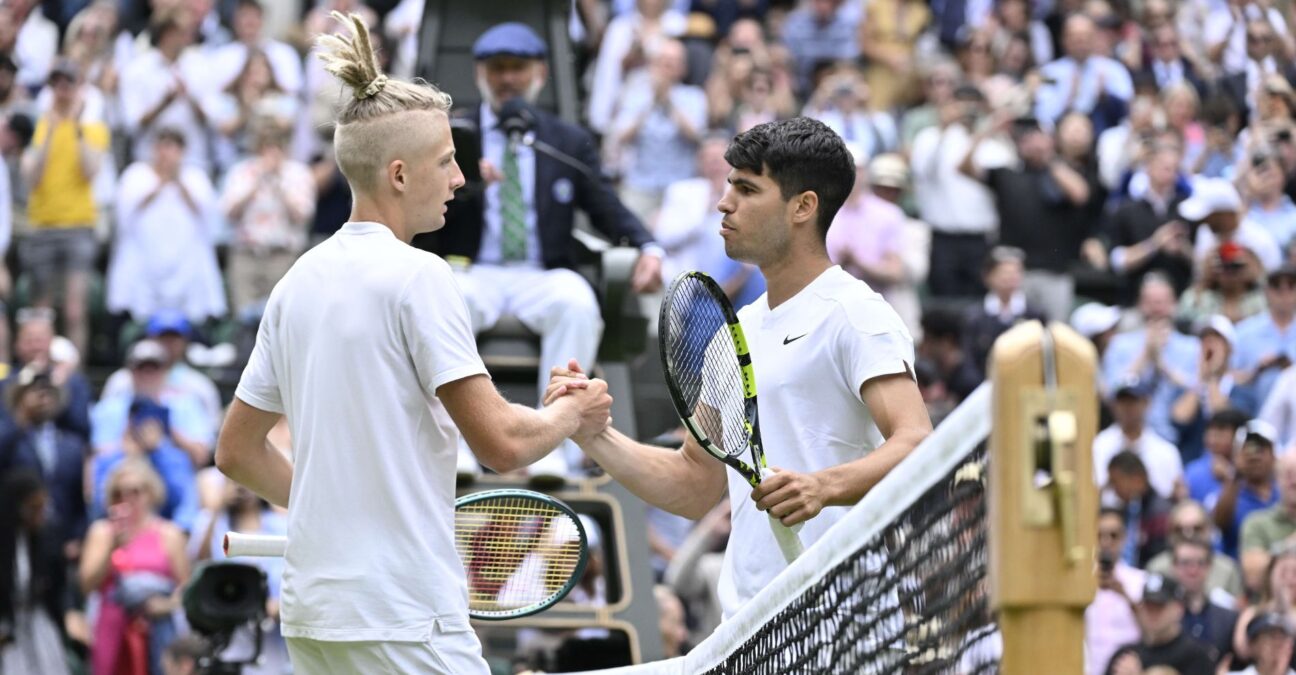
[
  {"x": 1161, "y": 457},
  {"x": 355, "y": 341},
  {"x": 811, "y": 355}
]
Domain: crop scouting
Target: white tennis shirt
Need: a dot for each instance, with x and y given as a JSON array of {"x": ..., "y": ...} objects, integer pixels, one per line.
[
  {"x": 811, "y": 354},
  {"x": 355, "y": 341}
]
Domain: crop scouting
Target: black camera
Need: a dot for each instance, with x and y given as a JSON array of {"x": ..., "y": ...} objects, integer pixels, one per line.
[
  {"x": 1106, "y": 562},
  {"x": 221, "y": 598}
]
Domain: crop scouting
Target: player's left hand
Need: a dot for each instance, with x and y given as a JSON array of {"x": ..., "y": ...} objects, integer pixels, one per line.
[
  {"x": 790, "y": 496},
  {"x": 647, "y": 276}
]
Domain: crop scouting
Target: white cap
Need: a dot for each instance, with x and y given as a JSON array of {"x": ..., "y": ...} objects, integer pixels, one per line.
[
  {"x": 1220, "y": 324},
  {"x": 1093, "y": 318},
  {"x": 146, "y": 351},
  {"x": 1210, "y": 195}
]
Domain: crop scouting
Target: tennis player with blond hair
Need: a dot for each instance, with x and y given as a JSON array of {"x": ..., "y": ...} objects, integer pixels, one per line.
[{"x": 367, "y": 348}]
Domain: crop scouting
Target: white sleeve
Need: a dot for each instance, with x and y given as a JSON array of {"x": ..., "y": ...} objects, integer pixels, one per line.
[
  {"x": 6, "y": 210},
  {"x": 867, "y": 350},
  {"x": 438, "y": 333},
  {"x": 259, "y": 386},
  {"x": 1219, "y": 24}
]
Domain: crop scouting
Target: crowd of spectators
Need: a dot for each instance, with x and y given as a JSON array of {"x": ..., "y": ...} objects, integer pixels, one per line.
[{"x": 1126, "y": 167}]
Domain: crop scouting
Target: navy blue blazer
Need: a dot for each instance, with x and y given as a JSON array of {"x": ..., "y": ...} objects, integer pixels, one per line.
[
  {"x": 559, "y": 190},
  {"x": 65, "y": 481}
]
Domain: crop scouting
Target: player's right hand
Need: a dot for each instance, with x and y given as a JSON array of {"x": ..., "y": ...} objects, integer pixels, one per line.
[{"x": 565, "y": 380}]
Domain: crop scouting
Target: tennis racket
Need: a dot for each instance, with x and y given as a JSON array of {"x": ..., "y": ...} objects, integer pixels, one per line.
[
  {"x": 712, "y": 385},
  {"x": 523, "y": 551}
]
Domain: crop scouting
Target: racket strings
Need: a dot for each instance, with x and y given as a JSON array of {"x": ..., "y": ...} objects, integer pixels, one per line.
[
  {"x": 703, "y": 361},
  {"x": 517, "y": 552}
]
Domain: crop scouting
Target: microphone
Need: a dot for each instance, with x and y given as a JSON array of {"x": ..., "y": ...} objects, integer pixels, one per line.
[{"x": 516, "y": 118}]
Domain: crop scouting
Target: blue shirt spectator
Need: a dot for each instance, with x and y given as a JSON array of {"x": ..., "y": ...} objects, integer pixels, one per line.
[
  {"x": 1126, "y": 356},
  {"x": 148, "y": 435},
  {"x": 1203, "y": 475},
  {"x": 1266, "y": 343},
  {"x": 817, "y": 33},
  {"x": 192, "y": 427}
]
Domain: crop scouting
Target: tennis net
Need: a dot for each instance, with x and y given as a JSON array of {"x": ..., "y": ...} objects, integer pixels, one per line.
[{"x": 899, "y": 586}]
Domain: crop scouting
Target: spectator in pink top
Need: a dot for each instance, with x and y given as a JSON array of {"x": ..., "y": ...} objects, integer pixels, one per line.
[{"x": 866, "y": 236}]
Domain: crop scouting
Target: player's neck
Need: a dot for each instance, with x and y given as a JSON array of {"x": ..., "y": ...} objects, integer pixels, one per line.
[
  {"x": 785, "y": 277},
  {"x": 367, "y": 209}
]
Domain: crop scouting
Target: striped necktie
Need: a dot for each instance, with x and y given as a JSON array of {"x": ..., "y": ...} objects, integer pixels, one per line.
[{"x": 513, "y": 246}]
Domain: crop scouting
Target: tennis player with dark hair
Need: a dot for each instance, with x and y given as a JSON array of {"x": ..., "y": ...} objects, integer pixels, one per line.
[
  {"x": 834, "y": 365},
  {"x": 366, "y": 347}
]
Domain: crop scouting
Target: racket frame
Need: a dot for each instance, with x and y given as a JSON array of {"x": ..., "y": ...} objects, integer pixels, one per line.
[
  {"x": 750, "y": 472},
  {"x": 252, "y": 545},
  {"x": 581, "y": 562}
]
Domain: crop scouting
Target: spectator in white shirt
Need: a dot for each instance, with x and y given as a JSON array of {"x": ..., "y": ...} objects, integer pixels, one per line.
[
  {"x": 659, "y": 124},
  {"x": 249, "y": 24},
  {"x": 1130, "y": 432},
  {"x": 402, "y": 27},
  {"x": 960, "y": 210},
  {"x": 268, "y": 200},
  {"x": 256, "y": 92},
  {"x": 1216, "y": 204},
  {"x": 1226, "y": 28},
  {"x": 1279, "y": 408},
  {"x": 164, "y": 256},
  {"x": 688, "y": 227},
  {"x": 626, "y": 43},
  {"x": 162, "y": 88},
  {"x": 37, "y": 43},
  {"x": 842, "y": 102}
]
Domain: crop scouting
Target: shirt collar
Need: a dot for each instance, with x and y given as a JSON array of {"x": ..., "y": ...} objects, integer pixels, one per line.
[
  {"x": 489, "y": 119},
  {"x": 1016, "y": 305},
  {"x": 365, "y": 227}
]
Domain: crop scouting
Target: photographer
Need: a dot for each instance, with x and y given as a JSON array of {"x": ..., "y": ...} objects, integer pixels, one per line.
[
  {"x": 1198, "y": 398},
  {"x": 241, "y": 510},
  {"x": 1227, "y": 285},
  {"x": 1109, "y": 620}
]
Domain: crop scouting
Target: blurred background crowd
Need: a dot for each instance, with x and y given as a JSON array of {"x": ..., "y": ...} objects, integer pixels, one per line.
[{"x": 1125, "y": 166}]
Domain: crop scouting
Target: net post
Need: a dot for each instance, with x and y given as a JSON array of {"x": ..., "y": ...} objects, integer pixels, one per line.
[{"x": 1043, "y": 503}]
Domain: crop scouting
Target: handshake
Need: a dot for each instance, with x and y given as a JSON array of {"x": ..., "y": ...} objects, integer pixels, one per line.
[{"x": 585, "y": 400}]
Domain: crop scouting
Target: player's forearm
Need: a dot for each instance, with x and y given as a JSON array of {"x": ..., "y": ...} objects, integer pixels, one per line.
[
  {"x": 668, "y": 479},
  {"x": 263, "y": 470},
  {"x": 848, "y": 483},
  {"x": 529, "y": 434}
]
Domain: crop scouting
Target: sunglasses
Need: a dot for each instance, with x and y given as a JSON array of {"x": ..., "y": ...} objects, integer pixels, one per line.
[
  {"x": 125, "y": 491},
  {"x": 1110, "y": 534}
]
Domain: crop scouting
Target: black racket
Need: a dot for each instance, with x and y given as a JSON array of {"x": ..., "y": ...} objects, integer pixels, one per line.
[{"x": 712, "y": 385}]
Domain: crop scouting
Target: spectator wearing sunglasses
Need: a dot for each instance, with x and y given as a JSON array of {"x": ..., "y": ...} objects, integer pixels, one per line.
[{"x": 1189, "y": 521}]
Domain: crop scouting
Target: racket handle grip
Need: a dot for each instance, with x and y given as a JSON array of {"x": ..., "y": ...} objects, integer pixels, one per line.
[
  {"x": 254, "y": 545},
  {"x": 788, "y": 541}
]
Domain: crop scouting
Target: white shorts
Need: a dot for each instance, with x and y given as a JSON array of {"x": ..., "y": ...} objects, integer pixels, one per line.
[{"x": 447, "y": 652}]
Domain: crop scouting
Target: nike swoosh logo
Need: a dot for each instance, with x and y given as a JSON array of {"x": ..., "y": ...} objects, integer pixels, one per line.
[{"x": 790, "y": 340}]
